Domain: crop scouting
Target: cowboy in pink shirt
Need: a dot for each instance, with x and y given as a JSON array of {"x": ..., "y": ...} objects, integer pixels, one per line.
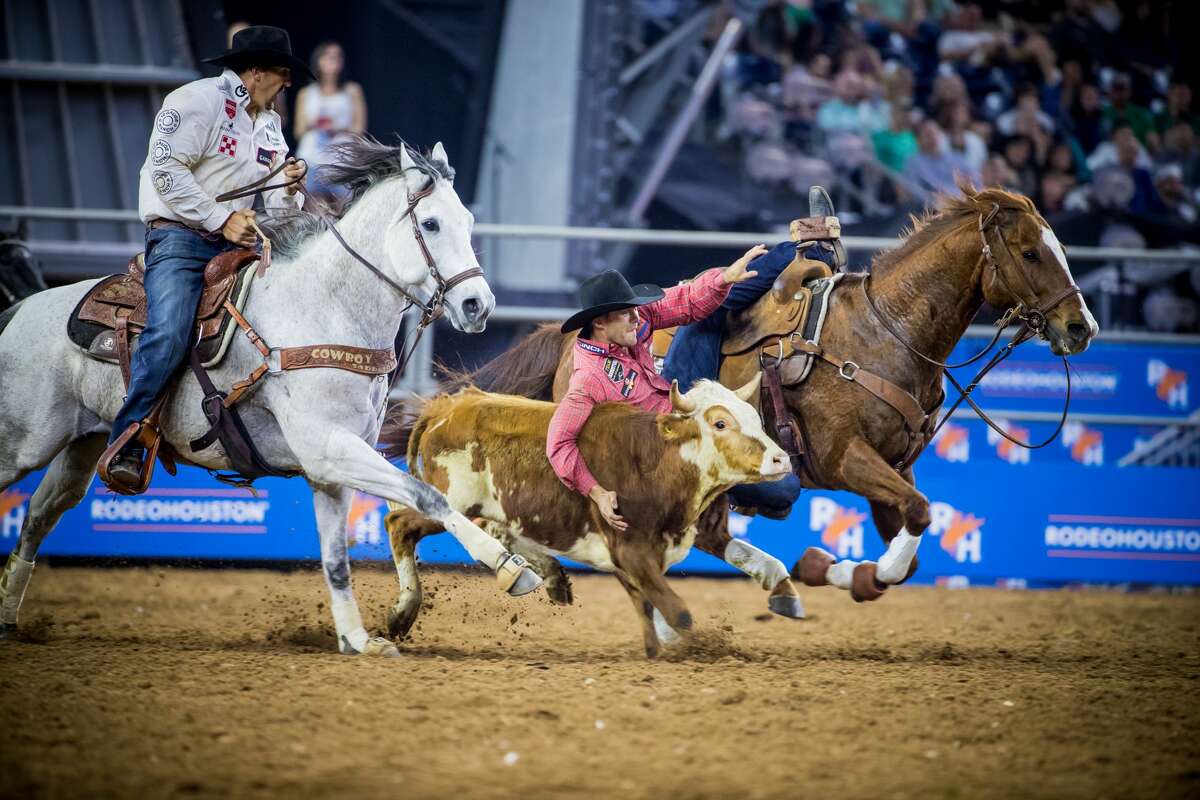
[{"x": 613, "y": 360}]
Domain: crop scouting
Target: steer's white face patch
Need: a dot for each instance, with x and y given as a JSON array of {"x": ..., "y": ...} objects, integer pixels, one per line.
[{"x": 704, "y": 453}]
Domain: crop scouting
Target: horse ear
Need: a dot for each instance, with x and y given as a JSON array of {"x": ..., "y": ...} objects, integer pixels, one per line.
[
  {"x": 406, "y": 160},
  {"x": 439, "y": 154}
]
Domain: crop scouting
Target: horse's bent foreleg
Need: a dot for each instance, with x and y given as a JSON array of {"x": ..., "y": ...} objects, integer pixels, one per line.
[
  {"x": 347, "y": 460},
  {"x": 890, "y": 524},
  {"x": 557, "y": 582},
  {"x": 332, "y": 507},
  {"x": 64, "y": 485},
  {"x": 712, "y": 537},
  {"x": 405, "y": 528}
]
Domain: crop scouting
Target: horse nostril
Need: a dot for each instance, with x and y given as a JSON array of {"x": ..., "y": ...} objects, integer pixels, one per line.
[
  {"x": 471, "y": 308},
  {"x": 1077, "y": 331}
]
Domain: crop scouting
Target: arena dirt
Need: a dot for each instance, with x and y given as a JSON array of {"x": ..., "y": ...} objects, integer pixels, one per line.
[{"x": 161, "y": 682}]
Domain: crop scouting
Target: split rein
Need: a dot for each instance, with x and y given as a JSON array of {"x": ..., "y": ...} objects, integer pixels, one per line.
[
  {"x": 431, "y": 309},
  {"x": 1033, "y": 323}
]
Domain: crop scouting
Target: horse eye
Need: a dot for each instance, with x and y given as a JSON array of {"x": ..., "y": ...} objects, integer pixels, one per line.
[
  {"x": 1030, "y": 255},
  {"x": 720, "y": 425},
  {"x": 430, "y": 225}
]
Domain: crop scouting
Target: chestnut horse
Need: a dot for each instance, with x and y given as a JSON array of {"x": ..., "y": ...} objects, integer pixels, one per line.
[{"x": 982, "y": 246}]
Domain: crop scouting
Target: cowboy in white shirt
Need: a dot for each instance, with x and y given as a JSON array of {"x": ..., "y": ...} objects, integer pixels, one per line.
[{"x": 211, "y": 136}]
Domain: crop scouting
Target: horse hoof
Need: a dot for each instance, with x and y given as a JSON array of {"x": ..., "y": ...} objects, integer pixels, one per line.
[
  {"x": 812, "y": 566},
  {"x": 375, "y": 646},
  {"x": 786, "y": 605},
  {"x": 527, "y": 581},
  {"x": 863, "y": 586}
]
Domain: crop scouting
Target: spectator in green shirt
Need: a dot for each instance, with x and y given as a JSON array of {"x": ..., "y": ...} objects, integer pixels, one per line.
[
  {"x": 1121, "y": 108},
  {"x": 897, "y": 142}
]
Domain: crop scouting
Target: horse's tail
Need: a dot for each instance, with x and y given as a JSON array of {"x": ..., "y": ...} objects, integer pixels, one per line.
[
  {"x": 400, "y": 434},
  {"x": 6, "y": 316},
  {"x": 526, "y": 370}
]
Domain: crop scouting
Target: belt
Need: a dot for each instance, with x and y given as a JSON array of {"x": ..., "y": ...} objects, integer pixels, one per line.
[{"x": 155, "y": 224}]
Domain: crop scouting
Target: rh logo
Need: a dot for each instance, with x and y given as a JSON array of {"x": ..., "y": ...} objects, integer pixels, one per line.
[
  {"x": 1086, "y": 445},
  {"x": 841, "y": 528},
  {"x": 12, "y": 512},
  {"x": 1013, "y": 454},
  {"x": 364, "y": 524},
  {"x": 1170, "y": 385},
  {"x": 961, "y": 532},
  {"x": 952, "y": 443}
]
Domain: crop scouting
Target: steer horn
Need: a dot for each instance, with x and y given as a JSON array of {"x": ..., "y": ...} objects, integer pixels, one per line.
[
  {"x": 679, "y": 402},
  {"x": 747, "y": 391}
]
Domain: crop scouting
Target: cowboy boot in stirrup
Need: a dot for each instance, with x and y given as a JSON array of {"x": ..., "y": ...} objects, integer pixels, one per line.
[
  {"x": 820, "y": 205},
  {"x": 126, "y": 468}
]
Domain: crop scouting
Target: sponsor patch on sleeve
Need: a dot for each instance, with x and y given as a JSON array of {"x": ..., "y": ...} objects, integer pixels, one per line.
[
  {"x": 266, "y": 157},
  {"x": 230, "y": 108},
  {"x": 228, "y": 146},
  {"x": 167, "y": 121}
]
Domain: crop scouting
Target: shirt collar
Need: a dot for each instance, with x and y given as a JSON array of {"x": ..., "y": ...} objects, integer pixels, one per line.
[
  {"x": 594, "y": 347},
  {"x": 236, "y": 89}
]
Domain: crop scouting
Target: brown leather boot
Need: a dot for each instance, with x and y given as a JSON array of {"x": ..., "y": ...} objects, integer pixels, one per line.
[{"x": 126, "y": 468}]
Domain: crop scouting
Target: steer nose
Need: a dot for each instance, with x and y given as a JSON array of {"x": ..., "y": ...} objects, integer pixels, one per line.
[
  {"x": 471, "y": 308},
  {"x": 780, "y": 462}
]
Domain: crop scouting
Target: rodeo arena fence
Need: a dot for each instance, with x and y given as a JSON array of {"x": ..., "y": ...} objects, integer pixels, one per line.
[{"x": 1115, "y": 500}]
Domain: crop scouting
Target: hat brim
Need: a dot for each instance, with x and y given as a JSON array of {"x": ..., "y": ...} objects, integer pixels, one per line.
[
  {"x": 643, "y": 294},
  {"x": 273, "y": 57}
]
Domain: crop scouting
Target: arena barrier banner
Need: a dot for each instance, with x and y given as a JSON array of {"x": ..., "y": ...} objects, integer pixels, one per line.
[{"x": 1001, "y": 514}]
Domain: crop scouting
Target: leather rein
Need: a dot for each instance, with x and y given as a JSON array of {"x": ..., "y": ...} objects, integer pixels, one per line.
[
  {"x": 431, "y": 309},
  {"x": 1033, "y": 323}
]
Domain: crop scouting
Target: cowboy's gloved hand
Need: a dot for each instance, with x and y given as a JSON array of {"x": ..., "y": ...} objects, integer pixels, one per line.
[
  {"x": 295, "y": 170},
  {"x": 738, "y": 271}
]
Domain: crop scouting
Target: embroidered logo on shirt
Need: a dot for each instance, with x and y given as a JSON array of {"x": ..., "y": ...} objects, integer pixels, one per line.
[
  {"x": 168, "y": 121},
  {"x": 230, "y": 108},
  {"x": 162, "y": 182},
  {"x": 591, "y": 348},
  {"x": 228, "y": 146},
  {"x": 613, "y": 369},
  {"x": 629, "y": 382},
  {"x": 240, "y": 90},
  {"x": 161, "y": 152},
  {"x": 266, "y": 157}
]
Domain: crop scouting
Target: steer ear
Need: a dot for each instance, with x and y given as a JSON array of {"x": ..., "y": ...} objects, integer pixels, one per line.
[
  {"x": 679, "y": 402},
  {"x": 747, "y": 391}
]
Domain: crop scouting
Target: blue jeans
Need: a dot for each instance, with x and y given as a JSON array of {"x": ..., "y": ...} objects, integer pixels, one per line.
[
  {"x": 696, "y": 353},
  {"x": 175, "y": 261}
]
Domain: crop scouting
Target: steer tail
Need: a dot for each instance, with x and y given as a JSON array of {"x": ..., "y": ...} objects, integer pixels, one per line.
[
  {"x": 401, "y": 432},
  {"x": 526, "y": 370}
]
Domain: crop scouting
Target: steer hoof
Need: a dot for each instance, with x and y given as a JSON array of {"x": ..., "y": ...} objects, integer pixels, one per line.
[
  {"x": 400, "y": 619},
  {"x": 863, "y": 585},
  {"x": 786, "y": 605},
  {"x": 560, "y": 592},
  {"x": 812, "y": 566}
]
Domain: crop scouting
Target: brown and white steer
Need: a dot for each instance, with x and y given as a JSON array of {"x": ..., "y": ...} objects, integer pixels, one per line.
[{"x": 486, "y": 453}]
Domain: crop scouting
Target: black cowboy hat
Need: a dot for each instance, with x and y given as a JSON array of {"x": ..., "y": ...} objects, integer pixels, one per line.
[
  {"x": 262, "y": 45},
  {"x": 609, "y": 291}
]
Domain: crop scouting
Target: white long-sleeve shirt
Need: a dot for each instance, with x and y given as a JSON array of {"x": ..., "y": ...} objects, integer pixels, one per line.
[{"x": 204, "y": 143}]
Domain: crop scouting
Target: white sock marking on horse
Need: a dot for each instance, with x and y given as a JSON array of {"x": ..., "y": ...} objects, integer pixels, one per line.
[
  {"x": 763, "y": 567},
  {"x": 894, "y": 564},
  {"x": 12, "y": 587},
  {"x": 349, "y": 623},
  {"x": 666, "y": 634},
  {"x": 841, "y": 574}
]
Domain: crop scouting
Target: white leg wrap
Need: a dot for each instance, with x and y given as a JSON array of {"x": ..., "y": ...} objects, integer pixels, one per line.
[
  {"x": 666, "y": 634},
  {"x": 481, "y": 546},
  {"x": 894, "y": 564},
  {"x": 764, "y": 568},
  {"x": 349, "y": 623},
  {"x": 12, "y": 587},
  {"x": 841, "y": 573}
]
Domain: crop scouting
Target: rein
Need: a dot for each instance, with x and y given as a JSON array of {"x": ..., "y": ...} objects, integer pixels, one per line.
[
  {"x": 431, "y": 309},
  {"x": 1033, "y": 322}
]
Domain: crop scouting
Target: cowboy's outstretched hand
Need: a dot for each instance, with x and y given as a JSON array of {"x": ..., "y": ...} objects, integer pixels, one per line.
[{"x": 738, "y": 272}]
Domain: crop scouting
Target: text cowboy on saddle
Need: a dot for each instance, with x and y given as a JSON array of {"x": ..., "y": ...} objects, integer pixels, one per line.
[
  {"x": 613, "y": 362},
  {"x": 211, "y": 136}
]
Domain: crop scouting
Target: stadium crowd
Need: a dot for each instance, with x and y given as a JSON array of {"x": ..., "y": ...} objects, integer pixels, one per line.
[{"x": 1075, "y": 104}]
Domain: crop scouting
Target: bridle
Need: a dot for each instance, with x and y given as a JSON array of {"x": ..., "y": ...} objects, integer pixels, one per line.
[
  {"x": 1033, "y": 323},
  {"x": 431, "y": 309}
]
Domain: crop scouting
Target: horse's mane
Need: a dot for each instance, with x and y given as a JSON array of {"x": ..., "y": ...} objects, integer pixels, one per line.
[
  {"x": 949, "y": 213},
  {"x": 359, "y": 162}
]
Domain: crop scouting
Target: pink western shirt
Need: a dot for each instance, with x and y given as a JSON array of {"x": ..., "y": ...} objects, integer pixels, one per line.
[{"x": 611, "y": 373}]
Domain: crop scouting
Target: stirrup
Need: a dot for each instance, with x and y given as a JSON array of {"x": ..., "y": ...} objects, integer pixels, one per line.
[{"x": 150, "y": 437}]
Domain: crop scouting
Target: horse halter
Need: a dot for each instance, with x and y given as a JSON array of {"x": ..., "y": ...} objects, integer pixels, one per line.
[{"x": 1033, "y": 316}]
